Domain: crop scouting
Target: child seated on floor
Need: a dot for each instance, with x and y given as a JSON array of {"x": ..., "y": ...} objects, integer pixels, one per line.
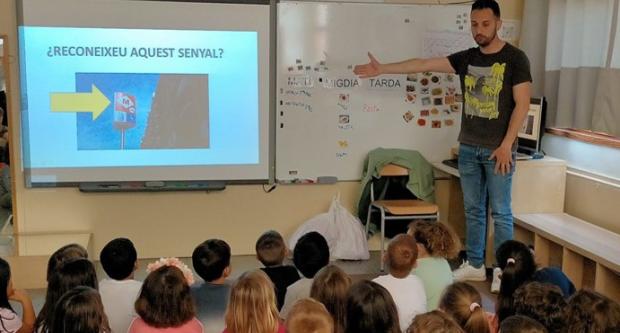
[
  {"x": 436, "y": 244},
  {"x": 407, "y": 290},
  {"x": 252, "y": 305},
  {"x": 119, "y": 260},
  {"x": 68, "y": 275},
  {"x": 211, "y": 261},
  {"x": 464, "y": 304},
  {"x": 69, "y": 251},
  {"x": 434, "y": 322},
  {"x": 589, "y": 310},
  {"x": 271, "y": 251},
  {"x": 80, "y": 310},
  {"x": 370, "y": 309},
  {"x": 516, "y": 261},
  {"x": 165, "y": 304},
  {"x": 311, "y": 253},
  {"x": 9, "y": 319},
  {"x": 309, "y": 316},
  {"x": 544, "y": 303},
  {"x": 330, "y": 287},
  {"x": 522, "y": 324}
]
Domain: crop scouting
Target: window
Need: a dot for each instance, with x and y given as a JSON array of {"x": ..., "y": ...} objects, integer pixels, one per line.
[{"x": 581, "y": 67}]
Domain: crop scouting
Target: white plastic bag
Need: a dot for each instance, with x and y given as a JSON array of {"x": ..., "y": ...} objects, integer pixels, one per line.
[
  {"x": 351, "y": 243},
  {"x": 343, "y": 231}
]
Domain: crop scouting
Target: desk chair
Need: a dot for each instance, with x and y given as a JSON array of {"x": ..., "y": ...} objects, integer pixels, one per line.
[{"x": 397, "y": 209}]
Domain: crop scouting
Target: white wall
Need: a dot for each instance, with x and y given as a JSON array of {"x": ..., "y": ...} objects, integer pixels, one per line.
[
  {"x": 592, "y": 158},
  {"x": 593, "y": 180}
]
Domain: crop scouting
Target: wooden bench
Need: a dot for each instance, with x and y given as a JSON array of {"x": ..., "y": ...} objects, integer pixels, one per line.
[{"x": 588, "y": 254}]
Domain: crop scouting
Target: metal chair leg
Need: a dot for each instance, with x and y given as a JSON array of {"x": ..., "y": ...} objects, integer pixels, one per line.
[
  {"x": 382, "y": 238},
  {"x": 368, "y": 220}
]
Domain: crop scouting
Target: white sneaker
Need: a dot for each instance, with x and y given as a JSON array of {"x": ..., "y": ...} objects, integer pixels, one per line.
[
  {"x": 497, "y": 272},
  {"x": 467, "y": 272}
]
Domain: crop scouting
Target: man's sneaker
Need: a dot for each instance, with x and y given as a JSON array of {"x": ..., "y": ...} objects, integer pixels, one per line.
[
  {"x": 467, "y": 272},
  {"x": 497, "y": 272}
]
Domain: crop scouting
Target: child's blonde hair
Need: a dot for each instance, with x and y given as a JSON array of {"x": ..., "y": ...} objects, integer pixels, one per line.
[
  {"x": 309, "y": 316},
  {"x": 402, "y": 254},
  {"x": 330, "y": 287},
  {"x": 438, "y": 239},
  {"x": 434, "y": 322},
  {"x": 252, "y": 305},
  {"x": 463, "y": 302}
]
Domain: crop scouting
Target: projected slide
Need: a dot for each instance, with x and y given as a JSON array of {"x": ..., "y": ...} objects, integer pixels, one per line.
[{"x": 101, "y": 97}]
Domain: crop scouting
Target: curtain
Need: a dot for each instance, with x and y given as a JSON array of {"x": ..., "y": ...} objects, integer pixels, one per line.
[{"x": 574, "y": 51}]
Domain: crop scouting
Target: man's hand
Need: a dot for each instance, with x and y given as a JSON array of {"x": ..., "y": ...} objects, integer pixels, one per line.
[
  {"x": 503, "y": 159},
  {"x": 370, "y": 69}
]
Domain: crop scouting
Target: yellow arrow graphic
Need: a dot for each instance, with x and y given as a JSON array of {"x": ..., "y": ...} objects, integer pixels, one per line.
[{"x": 94, "y": 102}]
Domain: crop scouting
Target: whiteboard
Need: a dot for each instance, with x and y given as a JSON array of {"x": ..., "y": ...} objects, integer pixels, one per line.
[{"x": 328, "y": 120}]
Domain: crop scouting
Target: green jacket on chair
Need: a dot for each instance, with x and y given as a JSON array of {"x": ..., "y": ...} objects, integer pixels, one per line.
[{"x": 420, "y": 181}]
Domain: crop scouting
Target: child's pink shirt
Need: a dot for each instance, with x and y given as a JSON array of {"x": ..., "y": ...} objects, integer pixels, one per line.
[
  {"x": 139, "y": 326},
  {"x": 493, "y": 321}
]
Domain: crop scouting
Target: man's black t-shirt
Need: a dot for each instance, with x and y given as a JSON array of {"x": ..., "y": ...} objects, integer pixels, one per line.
[{"x": 487, "y": 81}]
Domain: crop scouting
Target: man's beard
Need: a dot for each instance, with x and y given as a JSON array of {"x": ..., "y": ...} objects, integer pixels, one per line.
[{"x": 484, "y": 41}]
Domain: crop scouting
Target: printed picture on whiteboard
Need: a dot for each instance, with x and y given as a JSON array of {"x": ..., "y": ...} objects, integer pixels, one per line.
[{"x": 143, "y": 111}]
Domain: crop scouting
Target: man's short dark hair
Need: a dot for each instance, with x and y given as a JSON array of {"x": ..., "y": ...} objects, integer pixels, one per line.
[
  {"x": 484, "y": 4},
  {"x": 311, "y": 253},
  {"x": 118, "y": 258},
  {"x": 270, "y": 248},
  {"x": 210, "y": 258}
]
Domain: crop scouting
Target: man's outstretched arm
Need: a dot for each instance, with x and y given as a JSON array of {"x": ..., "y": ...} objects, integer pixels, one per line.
[{"x": 375, "y": 68}]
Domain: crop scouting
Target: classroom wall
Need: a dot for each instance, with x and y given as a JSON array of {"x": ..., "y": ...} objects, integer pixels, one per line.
[
  {"x": 511, "y": 9},
  {"x": 593, "y": 180},
  {"x": 165, "y": 224},
  {"x": 591, "y": 158},
  {"x": 593, "y": 201}
]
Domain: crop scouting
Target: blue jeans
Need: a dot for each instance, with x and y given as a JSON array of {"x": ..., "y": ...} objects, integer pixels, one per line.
[{"x": 481, "y": 187}]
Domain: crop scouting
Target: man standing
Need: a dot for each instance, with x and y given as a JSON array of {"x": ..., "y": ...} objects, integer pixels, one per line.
[{"x": 496, "y": 79}]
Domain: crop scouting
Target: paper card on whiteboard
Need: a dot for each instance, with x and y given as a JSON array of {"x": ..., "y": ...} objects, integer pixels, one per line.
[
  {"x": 297, "y": 92},
  {"x": 296, "y": 105},
  {"x": 299, "y": 81},
  {"x": 387, "y": 82},
  {"x": 338, "y": 78},
  {"x": 340, "y": 82}
]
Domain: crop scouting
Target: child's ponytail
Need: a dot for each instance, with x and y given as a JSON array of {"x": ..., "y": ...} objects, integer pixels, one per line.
[
  {"x": 462, "y": 302},
  {"x": 518, "y": 266}
]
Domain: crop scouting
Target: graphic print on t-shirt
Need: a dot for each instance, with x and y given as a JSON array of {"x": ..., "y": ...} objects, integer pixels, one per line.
[{"x": 482, "y": 88}]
